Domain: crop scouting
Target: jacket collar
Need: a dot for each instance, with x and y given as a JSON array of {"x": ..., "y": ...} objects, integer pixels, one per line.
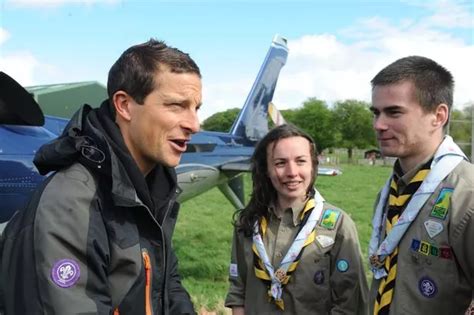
[{"x": 93, "y": 139}]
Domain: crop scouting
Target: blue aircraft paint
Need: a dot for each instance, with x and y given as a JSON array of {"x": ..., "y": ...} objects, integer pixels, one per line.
[{"x": 18, "y": 176}]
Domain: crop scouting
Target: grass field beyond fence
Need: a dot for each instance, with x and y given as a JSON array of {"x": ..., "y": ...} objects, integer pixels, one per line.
[{"x": 204, "y": 231}]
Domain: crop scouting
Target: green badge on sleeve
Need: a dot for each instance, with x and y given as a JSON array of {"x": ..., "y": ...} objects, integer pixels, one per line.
[
  {"x": 440, "y": 209},
  {"x": 330, "y": 218}
]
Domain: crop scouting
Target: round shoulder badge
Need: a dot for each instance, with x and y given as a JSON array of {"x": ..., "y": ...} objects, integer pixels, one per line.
[
  {"x": 65, "y": 273},
  {"x": 427, "y": 287},
  {"x": 342, "y": 265}
]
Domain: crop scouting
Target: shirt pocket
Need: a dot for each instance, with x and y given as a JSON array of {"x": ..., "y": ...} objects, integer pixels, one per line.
[
  {"x": 424, "y": 279},
  {"x": 310, "y": 285}
]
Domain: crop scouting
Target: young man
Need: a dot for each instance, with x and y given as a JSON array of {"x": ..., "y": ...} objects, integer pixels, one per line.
[
  {"x": 420, "y": 251},
  {"x": 96, "y": 237}
]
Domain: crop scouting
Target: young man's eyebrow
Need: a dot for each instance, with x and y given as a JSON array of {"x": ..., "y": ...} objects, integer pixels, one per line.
[{"x": 387, "y": 108}]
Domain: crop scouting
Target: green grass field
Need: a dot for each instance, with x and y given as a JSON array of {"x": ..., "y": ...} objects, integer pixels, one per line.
[{"x": 203, "y": 233}]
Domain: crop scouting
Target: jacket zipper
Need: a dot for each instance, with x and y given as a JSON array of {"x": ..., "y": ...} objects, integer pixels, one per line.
[
  {"x": 170, "y": 203},
  {"x": 148, "y": 276}
]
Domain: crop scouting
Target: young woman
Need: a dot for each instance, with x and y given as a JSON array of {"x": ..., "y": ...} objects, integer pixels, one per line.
[{"x": 292, "y": 252}]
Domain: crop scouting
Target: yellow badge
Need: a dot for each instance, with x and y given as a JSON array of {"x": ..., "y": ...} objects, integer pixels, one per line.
[{"x": 425, "y": 248}]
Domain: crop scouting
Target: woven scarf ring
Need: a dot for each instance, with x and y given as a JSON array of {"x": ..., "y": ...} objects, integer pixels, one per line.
[
  {"x": 396, "y": 204},
  {"x": 259, "y": 267}
]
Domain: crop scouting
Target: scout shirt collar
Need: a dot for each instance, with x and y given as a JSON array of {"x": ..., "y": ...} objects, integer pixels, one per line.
[
  {"x": 296, "y": 210},
  {"x": 404, "y": 178}
]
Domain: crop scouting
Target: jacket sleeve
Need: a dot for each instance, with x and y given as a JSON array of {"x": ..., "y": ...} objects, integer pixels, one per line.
[
  {"x": 56, "y": 260},
  {"x": 237, "y": 269},
  {"x": 348, "y": 281},
  {"x": 180, "y": 301}
]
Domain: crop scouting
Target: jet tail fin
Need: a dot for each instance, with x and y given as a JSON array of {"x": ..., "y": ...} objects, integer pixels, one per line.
[
  {"x": 275, "y": 115},
  {"x": 252, "y": 123}
]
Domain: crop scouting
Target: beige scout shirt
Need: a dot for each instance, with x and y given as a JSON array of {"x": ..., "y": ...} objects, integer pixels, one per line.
[
  {"x": 435, "y": 264},
  {"x": 317, "y": 286}
]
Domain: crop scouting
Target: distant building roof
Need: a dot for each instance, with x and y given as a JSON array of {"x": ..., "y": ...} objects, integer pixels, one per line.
[
  {"x": 372, "y": 150},
  {"x": 64, "y": 99},
  {"x": 372, "y": 153},
  {"x": 51, "y": 88}
]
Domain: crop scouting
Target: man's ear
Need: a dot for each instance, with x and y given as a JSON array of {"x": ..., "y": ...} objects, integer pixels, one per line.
[
  {"x": 122, "y": 102},
  {"x": 441, "y": 115}
]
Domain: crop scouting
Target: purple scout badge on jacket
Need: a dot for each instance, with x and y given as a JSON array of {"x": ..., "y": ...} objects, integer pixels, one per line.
[
  {"x": 65, "y": 273},
  {"x": 427, "y": 287}
]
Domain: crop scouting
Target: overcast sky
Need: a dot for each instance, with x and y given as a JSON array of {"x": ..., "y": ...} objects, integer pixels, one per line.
[{"x": 336, "y": 46}]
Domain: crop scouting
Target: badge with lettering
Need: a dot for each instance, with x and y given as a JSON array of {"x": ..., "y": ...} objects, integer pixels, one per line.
[
  {"x": 428, "y": 249},
  {"x": 445, "y": 252},
  {"x": 233, "y": 270},
  {"x": 415, "y": 245},
  {"x": 424, "y": 248},
  {"x": 427, "y": 287},
  {"x": 433, "y": 227},
  {"x": 319, "y": 277},
  {"x": 434, "y": 251},
  {"x": 324, "y": 240},
  {"x": 342, "y": 265},
  {"x": 65, "y": 273},
  {"x": 330, "y": 218},
  {"x": 440, "y": 209}
]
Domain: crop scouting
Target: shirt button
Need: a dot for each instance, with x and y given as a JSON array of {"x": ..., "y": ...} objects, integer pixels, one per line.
[{"x": 278, "y": 254}]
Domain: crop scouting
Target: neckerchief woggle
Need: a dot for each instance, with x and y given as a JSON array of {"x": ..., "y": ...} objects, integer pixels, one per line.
[
  {"x": 446, "y": 158},
  {"x": 295, "y": 248}
]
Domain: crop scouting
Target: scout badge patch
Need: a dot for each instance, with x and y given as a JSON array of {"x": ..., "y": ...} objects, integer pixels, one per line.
[
  {"x": 324, "y": 240},
  {"x": 428, "y": 249},
  {"x": 329, "y": 219},
  {"x": 427, "y": 287},
  {"x": 233, "y": 272},
  {"x": 440, "y": 209},
  {"x": 433, "y": 228},
  {"x": 319, "y": 277},
  {"x": 65, "y": 273},
  {"x": 342, "y": 265}
]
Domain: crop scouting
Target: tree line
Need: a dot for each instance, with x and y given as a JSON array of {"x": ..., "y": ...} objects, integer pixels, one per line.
[{"x": 347, "y": 124}]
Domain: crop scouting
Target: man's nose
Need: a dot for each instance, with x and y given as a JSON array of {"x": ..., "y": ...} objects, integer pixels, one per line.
[
  {"x": 191, "y": 122},
  {"x": 379, "y": 123}
]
